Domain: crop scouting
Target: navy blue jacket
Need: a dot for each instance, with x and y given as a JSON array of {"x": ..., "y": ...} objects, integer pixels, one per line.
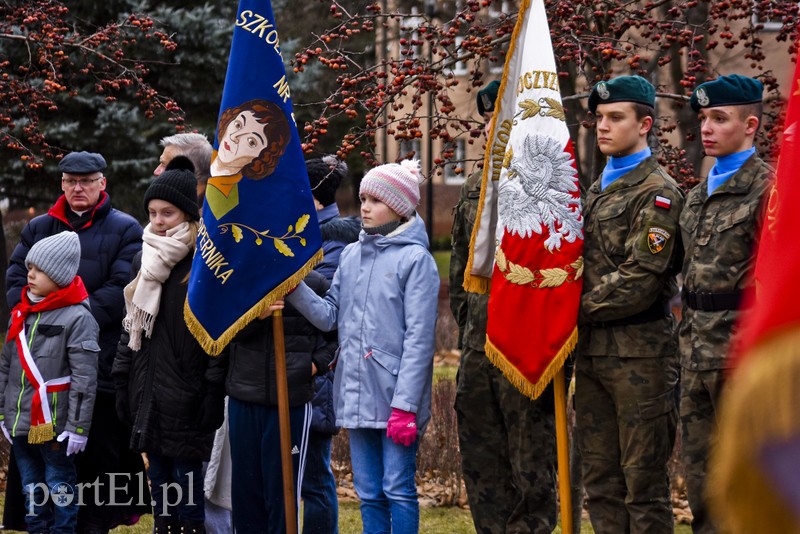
[
  {"x": 108, "y": 244},
  {"x": 251, "y": 364}
]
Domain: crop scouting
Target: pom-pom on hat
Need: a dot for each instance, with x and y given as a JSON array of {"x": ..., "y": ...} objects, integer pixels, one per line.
[
  {"x": 396, "y": 185},
  {"x": 623, "y": 89},
  {"x": 177, "y": 185},
  {"x": 487, "y": 97},
  {"x": 325, "y": 174},
  {"x": 58, "y": 256},
  {"x": 729, "y": 90}
]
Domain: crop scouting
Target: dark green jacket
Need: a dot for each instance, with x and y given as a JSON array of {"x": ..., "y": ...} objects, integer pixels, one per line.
[
  {"x": 469, "y": 309},
  {"x": 719, "y": 233},
  {"x": 631, "y": 239}
]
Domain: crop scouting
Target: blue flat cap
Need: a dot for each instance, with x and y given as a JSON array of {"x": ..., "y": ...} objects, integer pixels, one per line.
[
  {"x": 82, "y": 163},
  {"x": 623, "y": 89},
  {"x": 729, "y": 90}
]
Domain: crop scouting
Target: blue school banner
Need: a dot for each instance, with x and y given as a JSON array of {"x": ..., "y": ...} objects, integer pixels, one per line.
[{"x": 259, "y": 234}]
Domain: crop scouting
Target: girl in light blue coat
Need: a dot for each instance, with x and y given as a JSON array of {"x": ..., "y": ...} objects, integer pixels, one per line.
[{"x": 383, "y": 300}]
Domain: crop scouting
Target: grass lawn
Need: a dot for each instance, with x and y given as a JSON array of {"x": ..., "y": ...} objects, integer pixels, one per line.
[
  {"x": 442, "y": 258},
  {"x": 432, "y": 521}
]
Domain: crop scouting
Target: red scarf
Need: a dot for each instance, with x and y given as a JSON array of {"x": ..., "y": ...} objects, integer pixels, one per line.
[{"x": 41, "y": 429}]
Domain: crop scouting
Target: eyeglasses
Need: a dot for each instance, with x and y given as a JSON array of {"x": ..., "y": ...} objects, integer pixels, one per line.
[{"x": 83, "y": 182}]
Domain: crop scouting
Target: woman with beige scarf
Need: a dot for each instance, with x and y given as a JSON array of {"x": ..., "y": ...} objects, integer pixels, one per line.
[{"x": 168, "y": 388}]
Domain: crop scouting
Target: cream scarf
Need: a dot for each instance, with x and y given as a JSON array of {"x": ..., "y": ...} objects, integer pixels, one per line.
[{"x": 143, "y": 294}]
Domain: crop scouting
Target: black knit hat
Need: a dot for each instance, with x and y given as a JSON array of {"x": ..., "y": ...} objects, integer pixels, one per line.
[
  {"x": 177, "y": 185},
  {"x": 325, "y": 174}
]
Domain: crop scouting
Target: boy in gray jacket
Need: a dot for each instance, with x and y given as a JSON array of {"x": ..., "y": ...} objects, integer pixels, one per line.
[{"x": 48, "y": 377}]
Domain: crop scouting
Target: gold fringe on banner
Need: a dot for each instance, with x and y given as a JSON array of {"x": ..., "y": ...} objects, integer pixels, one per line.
[
  {"x": 40, "y": 433},
  {"x": 518, "y": 380},
  {"x": 215, "y": 346},
  {"x": 760, "y": 405}
]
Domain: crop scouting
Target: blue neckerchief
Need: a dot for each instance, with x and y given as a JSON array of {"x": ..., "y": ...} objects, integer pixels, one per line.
[
  {"x": 726, "y": 167},
  {"x": 616, "y": 167}
]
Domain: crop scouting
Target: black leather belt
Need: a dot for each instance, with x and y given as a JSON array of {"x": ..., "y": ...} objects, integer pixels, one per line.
[
  {"x": 713, "y": 301},
  {"x": 658, "y": 310}
]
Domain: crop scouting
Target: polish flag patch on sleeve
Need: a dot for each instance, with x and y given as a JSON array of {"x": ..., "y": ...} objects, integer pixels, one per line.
[{"x": 663, "y": 202}]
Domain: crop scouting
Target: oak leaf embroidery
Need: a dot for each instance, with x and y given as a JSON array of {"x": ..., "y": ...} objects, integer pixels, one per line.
[
  {"x": 540, "y": 278},
  {"x": 280, "y": 242}
]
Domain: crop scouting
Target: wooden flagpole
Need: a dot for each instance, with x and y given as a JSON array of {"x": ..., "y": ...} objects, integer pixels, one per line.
[
  {"x": 562, "y": 444},
  {"x": 287, "y": 467}
]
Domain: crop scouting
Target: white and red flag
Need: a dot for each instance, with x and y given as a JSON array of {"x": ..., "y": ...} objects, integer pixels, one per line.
[{"x": 528, "y": 240}]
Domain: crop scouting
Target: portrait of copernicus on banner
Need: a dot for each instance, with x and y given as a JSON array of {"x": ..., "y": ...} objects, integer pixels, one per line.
[{"x": 252, "y": 138}]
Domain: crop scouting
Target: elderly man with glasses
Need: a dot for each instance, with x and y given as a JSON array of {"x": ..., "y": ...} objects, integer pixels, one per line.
[{"x": 109, "y": 241}]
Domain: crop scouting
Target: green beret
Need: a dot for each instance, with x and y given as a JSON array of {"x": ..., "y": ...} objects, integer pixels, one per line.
[
  {"x": 730, "y": 90},
  {"x": 487, "y": 96},
  {"x": 623, "y": 89}
]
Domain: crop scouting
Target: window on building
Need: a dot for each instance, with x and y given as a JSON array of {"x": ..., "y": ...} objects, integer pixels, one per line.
[
  {"x": 409, "y": 149},
  {"x": 767, "y": 17},
  {"x": 460, "y": 68},
  {"x": 454, "y": 168},
  {"x": 409, "y": 29}
]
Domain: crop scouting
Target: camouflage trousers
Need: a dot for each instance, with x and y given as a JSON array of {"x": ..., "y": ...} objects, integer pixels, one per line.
[
  {"x": 508, "y": 454},
  {"x": 700, "y": 392},
  {"x": 626, "y": 417}
]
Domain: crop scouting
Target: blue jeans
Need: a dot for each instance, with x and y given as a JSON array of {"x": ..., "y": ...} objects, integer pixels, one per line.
[
  {"x": 43, "y": 469},
  {"x": 383, "y": 475},
  {"x": 320, "y": 504},
  {"x": 177, "y": 488}
]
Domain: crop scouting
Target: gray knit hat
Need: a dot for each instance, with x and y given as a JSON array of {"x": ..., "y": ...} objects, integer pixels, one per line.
[{"x": 57, "y": 256}]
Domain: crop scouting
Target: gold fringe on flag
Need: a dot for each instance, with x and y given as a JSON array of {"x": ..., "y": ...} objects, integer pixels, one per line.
[
  {"x": 40, "y": 433},
  {"x": 760, "y": 405},
  {"x": 518, "y": 380},
  {"x": 215, "y": 346}
]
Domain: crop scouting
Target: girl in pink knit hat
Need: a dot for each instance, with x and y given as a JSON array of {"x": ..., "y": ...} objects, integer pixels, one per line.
[{"x": 383, "y": 301}]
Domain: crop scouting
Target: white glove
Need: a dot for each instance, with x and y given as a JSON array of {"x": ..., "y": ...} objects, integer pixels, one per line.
[
  {"x": 76, "y": 443},
  {"x": 5, "y": 431}
]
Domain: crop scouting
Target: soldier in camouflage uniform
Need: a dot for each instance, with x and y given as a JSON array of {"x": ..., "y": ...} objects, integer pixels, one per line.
[
  {"x": 626, "y": 367},
  {"x": 719, "y": 224},
  {"x": 507, "y": 440}
]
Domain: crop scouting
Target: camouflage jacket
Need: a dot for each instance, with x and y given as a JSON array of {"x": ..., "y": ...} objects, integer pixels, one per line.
[
  {"x": 469, "y": 309},
  {"x": 631, "y": 240},
  {"x": 719, "y": 232}
]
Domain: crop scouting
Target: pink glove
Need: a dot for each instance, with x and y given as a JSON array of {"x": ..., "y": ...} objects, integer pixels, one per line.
[{"x": 402, "y": 427}]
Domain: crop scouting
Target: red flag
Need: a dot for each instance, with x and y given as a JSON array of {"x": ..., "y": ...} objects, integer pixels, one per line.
[
  {"x": 774, "y": 306},
  {"x": 528, "y": 238}
]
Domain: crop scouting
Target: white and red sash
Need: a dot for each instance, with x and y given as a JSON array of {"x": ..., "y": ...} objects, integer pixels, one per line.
[{"x": 41, "y": 429}]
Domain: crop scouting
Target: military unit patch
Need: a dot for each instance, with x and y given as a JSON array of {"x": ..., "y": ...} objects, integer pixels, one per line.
[
  {"x": 663, "y": 202},
  {"x": 657, "y": 239}
]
